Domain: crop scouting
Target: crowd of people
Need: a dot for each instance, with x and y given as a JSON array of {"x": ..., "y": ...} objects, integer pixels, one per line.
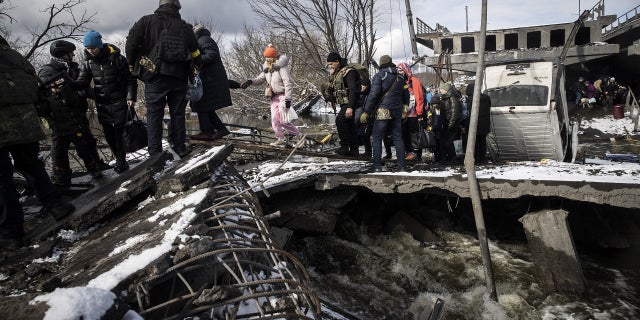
[
  {"x": 604, "y": 92},
  {"x": 167, "y": 53},
  {"x": 393, "y": 107}
]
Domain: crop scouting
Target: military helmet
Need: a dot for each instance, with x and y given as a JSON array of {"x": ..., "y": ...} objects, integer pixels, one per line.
[
  {"x": 176, "y": 3},
  {"x": 61, "y": 47}
]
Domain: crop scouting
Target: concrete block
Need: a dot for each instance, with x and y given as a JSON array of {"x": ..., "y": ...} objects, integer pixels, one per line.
[{"x": 553, "y": 251}]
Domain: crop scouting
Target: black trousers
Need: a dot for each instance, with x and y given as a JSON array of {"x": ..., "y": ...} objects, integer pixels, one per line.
[
  {"x": 85, "y": 145},
  {"x": 409, "y": 126},
  {"x": 113, "y": 135},
  {"x": 26, "y": 162},
  {"x": 347, "y": 129},
  {"x": 160, "y": 91}
]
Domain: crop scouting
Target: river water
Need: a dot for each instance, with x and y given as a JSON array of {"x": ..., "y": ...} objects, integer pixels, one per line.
[{"x": 376, "y": 275}]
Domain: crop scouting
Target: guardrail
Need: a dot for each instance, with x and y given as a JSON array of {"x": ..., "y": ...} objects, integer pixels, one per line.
[{"x": 623, "y": 19}]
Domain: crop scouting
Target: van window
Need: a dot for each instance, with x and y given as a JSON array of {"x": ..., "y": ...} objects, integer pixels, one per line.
[{"x": 518, "y": 95}]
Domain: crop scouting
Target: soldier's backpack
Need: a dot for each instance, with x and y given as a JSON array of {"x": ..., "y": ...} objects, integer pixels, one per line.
[{"x": 18, "y": 80}]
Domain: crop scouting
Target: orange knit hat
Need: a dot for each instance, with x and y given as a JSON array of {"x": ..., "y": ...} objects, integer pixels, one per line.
[{"x": 270, "y": 52}]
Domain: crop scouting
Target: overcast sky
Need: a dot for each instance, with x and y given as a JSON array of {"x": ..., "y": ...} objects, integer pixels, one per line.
[{"x": 115, "y": 17}]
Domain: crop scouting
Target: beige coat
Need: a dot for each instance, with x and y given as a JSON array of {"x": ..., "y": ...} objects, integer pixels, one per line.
[{"x": 279, "y": 79}]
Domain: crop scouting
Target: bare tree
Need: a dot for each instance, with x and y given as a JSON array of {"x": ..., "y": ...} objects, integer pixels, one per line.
[
  {"x": 65, "y": 20},
  {"x": 5, "y": 7},
  {"x": 322, "y": 26}
]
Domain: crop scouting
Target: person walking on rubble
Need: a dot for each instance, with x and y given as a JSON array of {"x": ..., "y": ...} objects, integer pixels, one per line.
[
  {"x": 279, "y": 90},
  {"x": 417, "y": 104},
  {"x": 215, "y": 88},
  {"x": 114, "y": 88},
  {"x": 20, "y": 132},
  {"x": 386, "y": 101},
  {"x": 66, "y": 112},
  {"x": 162, "y": 51},
  {"x": 448, "y": 123},
  {"x": 345, "y": 85}
]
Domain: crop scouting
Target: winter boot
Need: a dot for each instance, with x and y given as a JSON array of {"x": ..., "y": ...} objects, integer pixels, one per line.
[
  {"x": 61, "y": 177},
  {"x": 121, "y": 163}
]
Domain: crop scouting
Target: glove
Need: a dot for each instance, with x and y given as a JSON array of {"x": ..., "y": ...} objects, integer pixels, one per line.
[
  {"x": 287, "y": 104},
  {"x": 234, "y": 84},
  {"x": 363, "y": 117},
  {"x": 246, "y": 84}
]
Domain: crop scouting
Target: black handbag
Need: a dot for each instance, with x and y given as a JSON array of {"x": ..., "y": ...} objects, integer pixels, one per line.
[
  {"x": 423, "y": 138},
  {"x": 134, "y": 135}
]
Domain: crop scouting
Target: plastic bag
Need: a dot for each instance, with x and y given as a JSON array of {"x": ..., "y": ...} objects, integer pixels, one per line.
[{"x": 194, "y": 89}]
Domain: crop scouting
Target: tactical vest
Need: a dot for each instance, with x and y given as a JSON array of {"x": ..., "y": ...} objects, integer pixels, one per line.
[
  {"x": 340, "y": 91},
  {"x": 18, "y": 81}
]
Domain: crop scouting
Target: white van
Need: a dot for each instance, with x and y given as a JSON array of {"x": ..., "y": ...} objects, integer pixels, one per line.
[{"x": 529, "y": 117}]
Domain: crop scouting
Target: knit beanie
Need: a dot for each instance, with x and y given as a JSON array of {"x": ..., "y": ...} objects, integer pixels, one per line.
[
  {"x": 270, "y": 52},
  {"x": 446, "y": 86},
  {"x": 334, "y": 57},
  {"x": 92, "y": 39},
  {"x": 385, "y": 60}
]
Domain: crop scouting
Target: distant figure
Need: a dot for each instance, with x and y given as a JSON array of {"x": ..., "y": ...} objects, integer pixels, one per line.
[
  {"x": 215, "y": 86},
  {"x": 414, "y": 119},
  {"x": 346, "y": 87},
  {"x": 115, "y": 90},
  {"x": 162, "y": 51},
  {"x": 581, "y": 90},
  {"x": 386, "y": 101},
  {"x": 275, "y": 73},
  {"x": 20, "y": 132},
  {"x": 484, "y": 124},
  {"x": 66, "y": 112},
  {"x": 449, "y": 122}
]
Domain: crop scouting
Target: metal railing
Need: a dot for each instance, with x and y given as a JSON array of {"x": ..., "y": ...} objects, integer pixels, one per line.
[{"x": 622, "y": 20}]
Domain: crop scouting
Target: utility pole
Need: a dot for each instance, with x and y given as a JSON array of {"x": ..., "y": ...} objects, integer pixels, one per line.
[
  {"x": 466, "y": 14},
  {"x": 412, "y": 32},
  {"x": 469, "y": 161}
]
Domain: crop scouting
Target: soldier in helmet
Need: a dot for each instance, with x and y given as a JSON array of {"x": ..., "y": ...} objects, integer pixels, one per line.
[
  {"x": 65, "y": 110},
  {"x": 20, "y": 132},
  {"x": 162, "y": 51}
]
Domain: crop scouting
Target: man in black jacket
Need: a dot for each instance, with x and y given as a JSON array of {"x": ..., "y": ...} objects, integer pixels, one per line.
[
  {"x": 162, "y": 50},
  {"x": 345, "y": 85},
  {"x": 65, "y": 110},
  {"x": 114, "y": 88},
  {"x": 20, "y": 132}
]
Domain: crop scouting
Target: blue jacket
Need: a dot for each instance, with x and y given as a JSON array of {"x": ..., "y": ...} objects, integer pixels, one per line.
[{"x": 387, "y": 78}]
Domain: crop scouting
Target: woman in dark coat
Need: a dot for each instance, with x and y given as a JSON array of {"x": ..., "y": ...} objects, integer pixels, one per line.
[
  {"x": 215, "y": 85},
  {"x": 484, "y": 124},
  {"x": 115, "y": 91}
]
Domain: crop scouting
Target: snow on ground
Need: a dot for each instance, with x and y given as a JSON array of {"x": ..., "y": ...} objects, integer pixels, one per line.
[{"x": 609, "y": 125}]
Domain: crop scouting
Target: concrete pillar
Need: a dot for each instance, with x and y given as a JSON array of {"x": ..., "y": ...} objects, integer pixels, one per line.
[
  {"x": 554, "y": 255},
  {"x": 437, "y": 45},
  {"x": 522, "y": 39},
  {"x": 457, "y": 44},
  {"x": 499, "y": 41},
  {"x": 545, "y": 38}
]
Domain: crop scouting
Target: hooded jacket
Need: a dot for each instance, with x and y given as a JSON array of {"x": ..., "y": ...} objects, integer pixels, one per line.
[
  {"x": 215, "y": 83},
  {"x": 279, "y": 79},
  {"x": 65, "y": 110},
  {"x": 113, "y": 83}
]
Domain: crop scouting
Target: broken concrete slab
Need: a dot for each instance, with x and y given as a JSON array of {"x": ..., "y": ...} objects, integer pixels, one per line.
[
  {"x": 102, "y": 200},
  {"x": 197, "y": 168},
  {"x": 553, "y": 251}
]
